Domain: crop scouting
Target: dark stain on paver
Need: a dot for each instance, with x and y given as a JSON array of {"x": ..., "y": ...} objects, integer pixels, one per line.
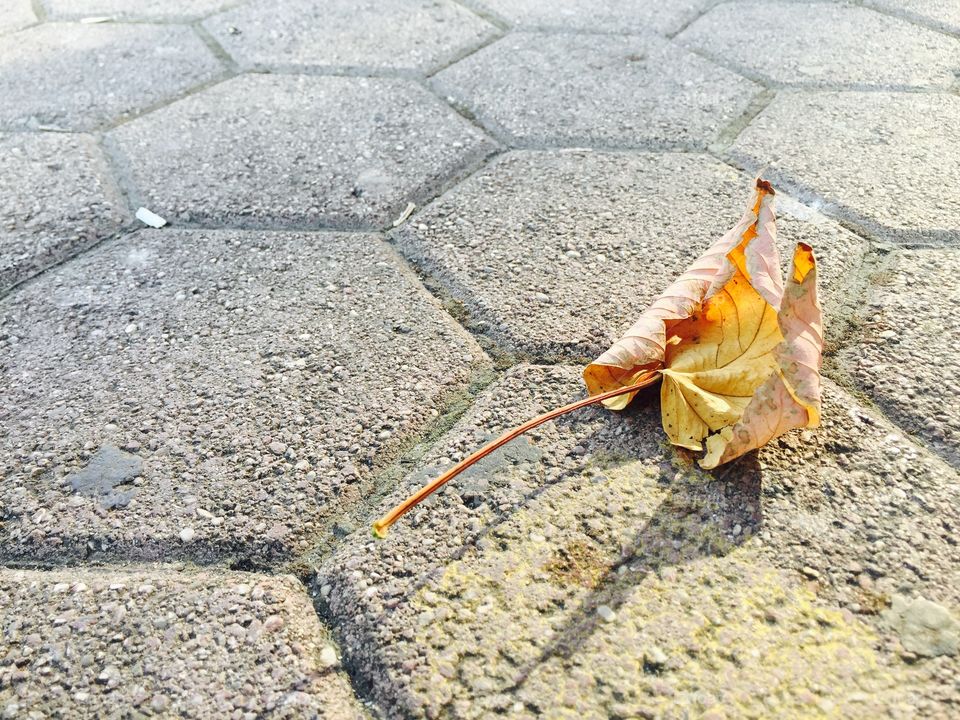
[{"x": 108, "y": 469}]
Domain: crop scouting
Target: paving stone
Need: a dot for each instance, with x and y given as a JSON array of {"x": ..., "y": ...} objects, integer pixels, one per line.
[
  {"x": 894, "y": 185},
  {"x": 125, "y": 10},
  {"x": 597, "y": 572},
  {"x": 15, "y": 14},
  {"x": 944, "y": 14},
  {"x": 906, "y": 358},
  {"x": 555, "y": 254},
  {"x": 80, "y": 77},
  {"x": 404, "y": 35},
  {"x": 603, "y": 15},
  {"x": 304, "y": 151},
  {"x": 138, "y": 643},
  {"x": 784, "y": 43},
  {"x": 56, "y": 198},
  {"x": 597, "y": 90},
  {"x": 244, "y": 370}
]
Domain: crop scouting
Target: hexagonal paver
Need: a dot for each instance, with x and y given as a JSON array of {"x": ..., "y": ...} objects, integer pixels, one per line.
[
  {"x": 597, "y": 90},
  {"x": 601, "y": 15},
  {"x": 74, "y": 76},
  {"x": 296, "y": 150},
  {"x": 589, "y": 571},
  {"x": 124, "y": 9},
  {"x": 886, "y": 161},
  {"x": 555, "y": 253},
  {"x": 115, "y": 643},
  {"x": 406, "y": 35},
  {"x": 784, "y": 43},
  {"x": 198, "y": 394},
  {"x": 15, "y": 14},
  {"x": 56, "y": 198},
  {"x": 944, "y": 14},
  {"x": 907, "y": 358}
]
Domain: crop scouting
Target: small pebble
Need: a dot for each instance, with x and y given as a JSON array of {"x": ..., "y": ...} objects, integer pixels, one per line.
[
  {"x": 187, "y": 534},
  {"x": 328, "y": 656},
  {"x": 607, "y": 613}
]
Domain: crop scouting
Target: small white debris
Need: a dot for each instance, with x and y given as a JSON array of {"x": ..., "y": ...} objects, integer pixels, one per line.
[
  {"x": 150, "y": 218},
  {"x": 407, "y": 212},
  {"x": 96, "y": 20},
  {"x": 328, "y": 656},
  {"x": 606, "y": 613},
  {"x": 187, "y": 534}
]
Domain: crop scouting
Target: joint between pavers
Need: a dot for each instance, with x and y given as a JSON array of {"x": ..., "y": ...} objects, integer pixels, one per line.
[
  {"x": 218, "y": 51},
  {"x": 464, "y": 53},
  {"x": 485, "y": 13},
  {"x": 914, "y": 19}
]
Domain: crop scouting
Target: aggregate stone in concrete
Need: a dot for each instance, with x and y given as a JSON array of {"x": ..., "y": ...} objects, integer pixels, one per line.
[
  {"x": 785, "y": 43},
  {"x": 592, "y": 571},
  {"x": 306, "y": 151},
  {"x": 212, "y": 394},
  {"x": 56, "y": 198},
  {"x": 160, "y": 643},
  {"x": 125, "y": 10},
  {"x": 886, "y": 161},
  {"x": 597, "y": 90},
  {"x": 907, "y": 357},
  {"x": 78, "y": 77},
  {"x": 406, "y": 35},
  {"x": 15, "y": 14},
  {"x": 555, "y": 254},
  {"x": 602, "y": 15},
  {"x": 944, "y": 14}
]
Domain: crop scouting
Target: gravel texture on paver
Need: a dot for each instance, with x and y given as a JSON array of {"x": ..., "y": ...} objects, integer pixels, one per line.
[
  {"x": 182, "y": 10},
  {"x": 297, "y": 151},
  {"x": 71, "y": 76},
  {"x": 160, "y": 643},
  {"x": 555, "y": 254},
  {"x": 56, "y": 198},
  {"x": 906, "y": 357},
  {"x": 15, "y": 14},
  {"x": 786, "y": 43},
  {"x": 600, "y": 16},
  {"x": 942, "y": 14},
  {"x": 212, "y": 394},
  {"x": 590, "y": 569},
  {"x": 898, "y": 185},
  {"x": 400, "y": 35},
  {"x": 597, "y": 90}
]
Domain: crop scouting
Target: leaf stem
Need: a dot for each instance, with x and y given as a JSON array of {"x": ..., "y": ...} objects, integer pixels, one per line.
[{"x": 381, "y": 526}]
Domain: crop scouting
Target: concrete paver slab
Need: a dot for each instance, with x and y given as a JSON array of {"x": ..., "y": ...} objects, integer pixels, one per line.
[
  {"x": 404, "y": 35},
  {"x": 182, "y": 10},
  {"x": 896, "y": 184},
  {"x": 554, "y": 254},
  {"x": 589, "y": 569},
  {"x": 56, "y": 198},
  {"x": 907, "y": 357},
  {"x": 159, "y": 643},
  {"x": 602, "y": 15},
  {"x": 212, "y": 394},
  {"x": 944, "y": 14},
  {"x": 79, "y": 77},
  {"x": 15, "y": 14},
  {"x": 597, "y": 90},
  {"x": 785, "y": 43},
  {"x": 298, "y": 150}
]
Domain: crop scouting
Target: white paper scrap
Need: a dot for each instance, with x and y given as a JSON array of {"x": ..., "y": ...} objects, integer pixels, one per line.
[{"x": 150, "y": 218}]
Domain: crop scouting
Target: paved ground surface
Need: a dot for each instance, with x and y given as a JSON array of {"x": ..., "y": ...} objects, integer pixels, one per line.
[{"x": 396, "y": 229}]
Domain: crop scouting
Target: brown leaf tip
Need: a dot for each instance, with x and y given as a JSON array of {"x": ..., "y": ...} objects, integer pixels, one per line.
[{"x": 766, "y": 187}]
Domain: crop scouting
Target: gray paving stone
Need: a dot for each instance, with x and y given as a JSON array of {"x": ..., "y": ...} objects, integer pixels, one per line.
[
  {"x": 594, "y": 572},
  {"x": 56, "y": 198},
  {"x": 883, "y": 160},
  {"x": 596, "y": 90},
  {"x": 602, "y": 15},
  {"x": 125, "y": 10},
  {"x": 907, "y": 357},
  {"x": 785, "y": 43},
  {"x": 261, "y": 378},
  {"x": 141, "y": 643},
  {"x": 403, "y": 35},
  {"x": 296, "y": 150},
  {"x": 15, "y": 14},
  {"x": 555, "y": 254},
  {"x": 79, "y": 77},
  {"x": 944, "y": 14}
]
